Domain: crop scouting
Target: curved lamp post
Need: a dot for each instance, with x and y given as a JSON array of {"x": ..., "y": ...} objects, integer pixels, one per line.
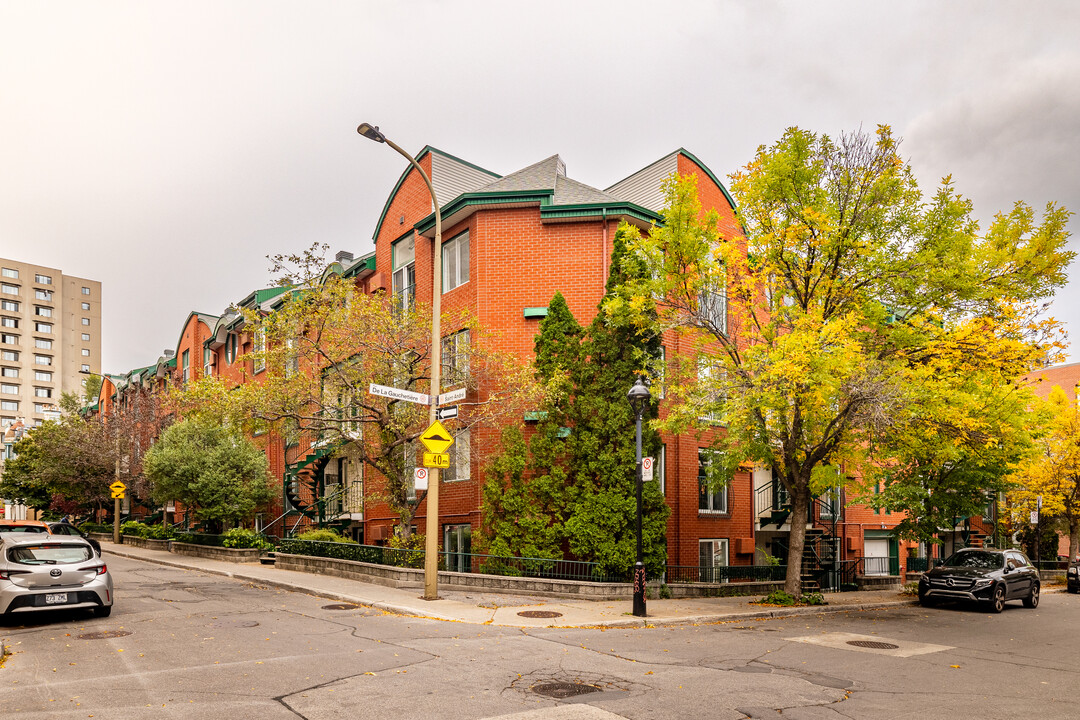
[
  {"x": 639, "y": 397},
  {"x": 431, "y": 544}
]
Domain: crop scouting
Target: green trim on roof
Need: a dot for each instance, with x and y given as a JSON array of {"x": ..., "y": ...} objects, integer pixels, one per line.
[
  {"x": 712, "y": 177},
  {"x": 535, "y": 312},
  {"x": 397, "y": 186},
  {"x": 591, "y": 209},
  {"x": 364, "y": 263},
  {"x": 542, "y": 197}
]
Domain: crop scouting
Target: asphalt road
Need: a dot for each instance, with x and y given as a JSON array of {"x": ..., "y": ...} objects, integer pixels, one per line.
[{"x": 181, "y": 644}]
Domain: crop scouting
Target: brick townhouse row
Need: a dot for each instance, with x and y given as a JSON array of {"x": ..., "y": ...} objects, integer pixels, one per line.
[{"x": 515, "y": 240}]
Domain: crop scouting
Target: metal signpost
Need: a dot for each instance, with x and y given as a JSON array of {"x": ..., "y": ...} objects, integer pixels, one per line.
[{"x": 117, "y": 489}]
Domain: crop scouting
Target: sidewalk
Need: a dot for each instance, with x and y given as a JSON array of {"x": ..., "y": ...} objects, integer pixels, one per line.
[{"x": 484, "y": 608}]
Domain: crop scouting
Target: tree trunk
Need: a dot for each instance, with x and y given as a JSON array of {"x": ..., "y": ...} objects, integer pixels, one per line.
[
  {"x": 800, "y": 498},
  {"x": 1074, "y": 539}
]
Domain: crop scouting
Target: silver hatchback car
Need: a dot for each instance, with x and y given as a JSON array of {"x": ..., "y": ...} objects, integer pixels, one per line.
[{"x": 47, "y": 572}]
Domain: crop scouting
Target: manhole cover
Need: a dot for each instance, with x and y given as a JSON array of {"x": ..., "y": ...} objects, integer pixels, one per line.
[
  {"x": 873, "y": 644},
  {"x": 103, "y": 634},
  {"x": 341, "y": 606},
  {"x": 560, "y": 690},
  {"x": 234, "y": 624},
  {"x": 539, "y": 614}
]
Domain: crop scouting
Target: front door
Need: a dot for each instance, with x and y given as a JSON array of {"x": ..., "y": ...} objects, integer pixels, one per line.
[
  {"x": 457, "y": 543},
  {"x": 876, "y": 556}
]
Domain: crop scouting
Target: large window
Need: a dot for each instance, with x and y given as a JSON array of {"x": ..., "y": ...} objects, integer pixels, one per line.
[
  {"x": 43, "y": 375},
  {"x": 186, "y": 365},
  {"x": 43, "y": 344},
  {"x": 86, "y": 306},
  {"x": 42, "y": 311},
  {"x": 10, "y": 372},
  {"x": 40, "y": 294},
  {"x": 86, "y": 321},
  {"x": 12, "y": 355},
  {"x": 86, "y": 291},
  {"x": 460, "y": 459},
  {"x": 12, "y": 405},
  {"x": 455, "y": 262},
  {"x": 9, "y": 289},
  {"x": 714, "y": 500},
  {"x": 43, "y": 279},
  {"x": 455, "y": 359},
  {"x": 713, "y": 555},
  {"x": 43, "y": 360},
  {"x": 7, "y": 339},
  {"x": 9, "y": 322},
  {"x": 86, "y": 337},
  {"x": 712, "y": 303},
  {"x": 43, "y": 392},
  {"x": 43, "y": 327},
  {"x": 457, "y": 543},
  {"x": 259, "y": 363},
  {"x": 11, "y": 273},
  {"x": 9, "y": 389},
  {"x": 404, "y": 278},
  {"x": 9, "y": 305},
  {"x": 207, "y": 353}
]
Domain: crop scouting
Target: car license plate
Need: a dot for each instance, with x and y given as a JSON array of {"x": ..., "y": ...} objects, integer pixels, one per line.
[{"x": 56, "y": 598}]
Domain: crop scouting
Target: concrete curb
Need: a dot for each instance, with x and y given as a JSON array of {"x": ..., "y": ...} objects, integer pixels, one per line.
[{"x": 700, "y": 619}]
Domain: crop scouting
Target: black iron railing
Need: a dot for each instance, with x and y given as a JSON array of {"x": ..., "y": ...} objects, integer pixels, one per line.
[{"x": 724, "y": 573}]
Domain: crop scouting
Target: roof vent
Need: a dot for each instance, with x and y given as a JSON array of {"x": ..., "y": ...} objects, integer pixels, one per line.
[
  {"x": 344, "y": 256},
  {"x": 169, "y": 353}
]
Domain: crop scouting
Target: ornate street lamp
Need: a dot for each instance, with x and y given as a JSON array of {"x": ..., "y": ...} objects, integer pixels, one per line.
[
  {"x": 431, "y": 545},
  {"x": 639, "y": 397}
]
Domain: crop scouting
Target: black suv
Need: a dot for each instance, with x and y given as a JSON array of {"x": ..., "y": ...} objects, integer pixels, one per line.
[
  {"x": 1072, "y": 582},
  {"x": 986, "y": 576}
]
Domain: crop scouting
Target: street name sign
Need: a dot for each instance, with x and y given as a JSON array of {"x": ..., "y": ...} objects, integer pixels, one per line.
[
  {"x": 436, "y": 460},
  {"x": 646, "y": 469},
  {"x": 420, "y": 477},
  {"x": 436, "y": 439},
  {"x": 399, "y": 394},
  {"x": 446, "y": 413},
  {"x": 452, "y": 397}
]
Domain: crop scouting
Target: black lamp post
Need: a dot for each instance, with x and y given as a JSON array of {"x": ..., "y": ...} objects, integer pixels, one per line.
[{"x": 639, "y": 397}]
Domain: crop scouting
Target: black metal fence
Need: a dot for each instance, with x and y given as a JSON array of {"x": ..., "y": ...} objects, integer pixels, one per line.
[{"x": 724, "y": 573}]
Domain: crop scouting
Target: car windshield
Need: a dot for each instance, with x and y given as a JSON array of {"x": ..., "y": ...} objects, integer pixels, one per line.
[
  {"x": 49, "y": 554},
  {"x": 986, "y": 560},
  {"x": 22, "y": 528}
]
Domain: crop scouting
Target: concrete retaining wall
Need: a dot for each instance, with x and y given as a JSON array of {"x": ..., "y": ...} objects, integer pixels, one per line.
[
  {"x": 147, "y": 543},
  {"x": 414, "y": 578},
  {"x": 238, "y": 555}
]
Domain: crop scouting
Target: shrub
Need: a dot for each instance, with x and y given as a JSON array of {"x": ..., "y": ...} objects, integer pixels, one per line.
[
  {"x": 133, "y": 527},
  {"x": 324, "y": 535},
  {"x": 245, "y": 538},
  {"x": 665, "y": 592},
  {"x": 911, "y": 588},
  {"x": 90, "y": 527},
  {"x": 777, "y": 597},
  {"x": 411, "y": 551},
  {"x": 813, "y": 599}
]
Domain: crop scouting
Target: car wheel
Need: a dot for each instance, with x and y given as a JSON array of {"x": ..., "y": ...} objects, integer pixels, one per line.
[
  {"x": 1073, "y": 589},
  {"x": 926, "y": 601},
  {"x": 103, "y": 611},
  {"x": 1032, "y": 600},
  {"x": 997, "y": 603}
]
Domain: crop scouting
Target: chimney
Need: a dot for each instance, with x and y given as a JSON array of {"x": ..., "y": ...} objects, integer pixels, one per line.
[
  {"x": 169, "y": 353},
  {"x": 344, "y": 256}
]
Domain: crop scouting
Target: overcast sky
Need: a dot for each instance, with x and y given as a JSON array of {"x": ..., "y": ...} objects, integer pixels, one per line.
[{"x": 166, "y": 149}]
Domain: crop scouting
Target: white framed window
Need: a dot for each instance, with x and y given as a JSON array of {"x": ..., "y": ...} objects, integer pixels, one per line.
[
  {"x": 42, "y": 311},
  {"x": 207, "y": 367},
  {"x": 40, "y": 294},
  {"x": 713, "y": 555},
  {"x": 11, "y": 273},
  {"x": 86, "y": 306},
  {"x": 9, "y": 289},
  {"x": 86, "y": 291},
  {"x": 455, "y": 359},
  {"x": 42, "y": 407},
  {"x": 9, "y": 405},
  {"x": 712, "y": 380},
  {"x": 46, "y": 360},
  {"x": 8, "y": 389},
  {"x": 709, "y": 500},
  {"x": 86, "y": 321},
  {"x": 43, "y": 327},
  {"x": 404, "y": 277},
  {"x": 9, "y": 372},
  {"x": 9, "y": 305},
  {"x": 12, "y": 355},
  {"x": 455, "y": 262},
  {"x": 43, "y": 392},
  {"x": 712, "y": 307},
  {"x": 43, "y": 375},
  {"x": 43, "y": 344},
  {"x": 84, "y": 368},
  {"x": 43, "y": 279},
  {"x": 86, "y": 337},
  {"x": 8, "y": 339},
  {"x": 460, "y": 459},
  {"x": 86, "y": 352},
  {"x": 259, "y": 363},
  {"x": 186, "y": 365},
  {"x": 9, "y": 322}
]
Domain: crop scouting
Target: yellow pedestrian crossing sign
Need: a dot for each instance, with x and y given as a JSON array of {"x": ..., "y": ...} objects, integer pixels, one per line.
[{"x": 436, "y": 439}]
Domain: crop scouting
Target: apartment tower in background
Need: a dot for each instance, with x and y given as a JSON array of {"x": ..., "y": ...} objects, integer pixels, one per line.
[{"x": 50, "y": 334}]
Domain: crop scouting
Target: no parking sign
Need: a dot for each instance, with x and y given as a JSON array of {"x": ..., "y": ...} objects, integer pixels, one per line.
[
  {"x": 646, "y": 469},
  {"x": 420, "y": 478}
]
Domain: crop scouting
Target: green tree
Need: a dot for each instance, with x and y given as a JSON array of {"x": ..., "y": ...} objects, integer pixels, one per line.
[
  {"x": 213, "y": 470},
  {"x": 847, "y": 292}
]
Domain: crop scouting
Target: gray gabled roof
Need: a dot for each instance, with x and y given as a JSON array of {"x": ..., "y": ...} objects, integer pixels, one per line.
[
  {"x": 538, "y": 176},
  {"x": 572, "y": 192}
]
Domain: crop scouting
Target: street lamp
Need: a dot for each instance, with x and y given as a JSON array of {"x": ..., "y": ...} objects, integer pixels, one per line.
[
  {"x": 639, "y": 397},
  {"x": 431, "y": 545}
]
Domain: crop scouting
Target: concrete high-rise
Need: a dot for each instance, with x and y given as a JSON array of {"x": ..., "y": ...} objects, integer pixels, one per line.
[{"x": 50, "y": 334}]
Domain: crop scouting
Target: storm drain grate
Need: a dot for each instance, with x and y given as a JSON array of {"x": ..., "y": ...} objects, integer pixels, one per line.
[
  {"x": 539, "y": 614},
  {"x": 104, "y": 634},
  {"x": 341, "y": 606},
  {"x": 873, "y": 644},
  {"x": 561, "y": 690}
]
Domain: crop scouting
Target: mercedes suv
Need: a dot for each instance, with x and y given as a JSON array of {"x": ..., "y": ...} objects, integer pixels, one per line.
[{"x": 988, "y": 577}]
